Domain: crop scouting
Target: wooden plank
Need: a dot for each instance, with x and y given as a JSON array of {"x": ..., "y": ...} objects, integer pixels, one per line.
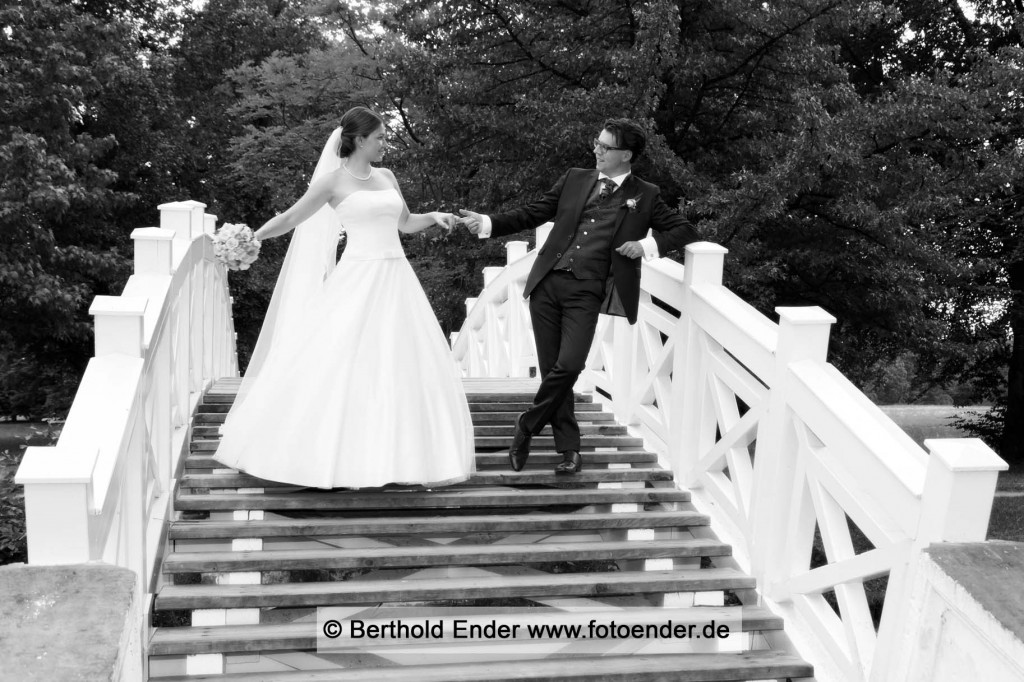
[
  {"x": 527, "y": 477},
  {"x": 479, "y": 417},
  {"x": 398, "y": 499},
  {"x": 515, "y": 408},
  {"x": 512, "y": 408},
  {"x": 509, "y": 417},
  {"x": 434, "y": 589},
  {"x": 727, "y": 667},
  {"x": 538, "y": 459},
  {"x": 542, "y": 442},
  {"x": 303, "y": 635},
  {"x": 515, "y": 396},
  {"x": 444, "y": 555},
  {"x": 506, "y": 430},
  {"x": 436, "y": 525},
  {"x": 481, "y": 431},
  {"x": 547, "y": 442}
]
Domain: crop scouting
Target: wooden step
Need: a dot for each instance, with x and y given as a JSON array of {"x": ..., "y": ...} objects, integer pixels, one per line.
[
  {"x": 444, "y": 555},
  {"x": 535, "y": 586},
  {"x": 511, "y": 408},
  {"x": 538, "y": 459},
  {"x": 727, "y": 667},
  {"x": 480, "y": 478},
  {"x": 517, "y": 397},
  {"x": 514, "y": 409},
  {"x": 505, "y": 431},
  {"x": 510, "y": 416},
  {"x": 544, "y": 442},
  {"x": 479, "y": 417},
  {"x": 405, "y": 499},
  {"x": 303, "y": 635},
  {"x": 433, "y": 525},
  {"x": 540, "y": 443}
]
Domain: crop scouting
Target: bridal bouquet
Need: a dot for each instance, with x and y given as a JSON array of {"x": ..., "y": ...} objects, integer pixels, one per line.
[{"x": 235, "y": 246}]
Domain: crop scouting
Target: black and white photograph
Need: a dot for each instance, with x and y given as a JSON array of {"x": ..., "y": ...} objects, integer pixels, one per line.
[{"x": 510, "y": 341}]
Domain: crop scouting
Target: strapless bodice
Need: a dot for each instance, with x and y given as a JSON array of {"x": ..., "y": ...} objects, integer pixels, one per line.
[{"x": 370, "y": 221}]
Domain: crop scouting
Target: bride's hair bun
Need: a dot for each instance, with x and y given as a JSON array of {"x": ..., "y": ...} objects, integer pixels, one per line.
[{"x": 357, "y": 122}]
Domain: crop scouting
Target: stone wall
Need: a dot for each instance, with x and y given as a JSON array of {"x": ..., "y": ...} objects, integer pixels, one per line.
[
  {"x": 967, "y": 619},
  {"x": 69, "y": 623}
]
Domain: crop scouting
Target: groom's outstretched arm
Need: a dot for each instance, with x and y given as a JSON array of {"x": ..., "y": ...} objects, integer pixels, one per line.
[{"x": 526, "y": 217}]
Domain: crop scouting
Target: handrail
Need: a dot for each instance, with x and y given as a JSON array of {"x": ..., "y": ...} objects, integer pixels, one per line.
[
  {"x": 103, "y": 492},
  {"x": 776, "y": 445}
]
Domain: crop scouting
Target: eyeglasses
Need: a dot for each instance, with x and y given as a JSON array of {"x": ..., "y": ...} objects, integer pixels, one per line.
[{"x": 602, "y": 147}]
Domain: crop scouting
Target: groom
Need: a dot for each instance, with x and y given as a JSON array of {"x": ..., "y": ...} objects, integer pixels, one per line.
[{"x": 588, "y": 265}]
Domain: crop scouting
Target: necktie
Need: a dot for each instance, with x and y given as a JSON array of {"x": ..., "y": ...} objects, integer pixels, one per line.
[{"x": 607, "y": 187}]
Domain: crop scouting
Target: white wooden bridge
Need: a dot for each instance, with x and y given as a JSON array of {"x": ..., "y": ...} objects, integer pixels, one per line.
[{"x": 732, "y": 472}]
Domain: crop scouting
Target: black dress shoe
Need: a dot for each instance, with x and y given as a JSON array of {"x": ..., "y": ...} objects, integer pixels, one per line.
[
  {"x": 520, "y": 448},
  {"x": 571, "y": 463}
]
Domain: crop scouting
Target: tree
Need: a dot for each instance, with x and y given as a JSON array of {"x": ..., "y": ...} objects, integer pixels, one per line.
[
  {"x": 861, "y": 157},
  {"x": 285, "y": 110},
  {"x": 215, "y": 38},
  {"x": 57, "y": 193},
  {"x": 492, "y": 101}
]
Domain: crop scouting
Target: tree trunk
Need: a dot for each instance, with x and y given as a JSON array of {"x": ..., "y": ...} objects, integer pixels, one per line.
[{"x": 1012, "y": 445}]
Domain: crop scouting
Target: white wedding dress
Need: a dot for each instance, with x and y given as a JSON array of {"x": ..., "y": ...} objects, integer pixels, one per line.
[{"x": 366, "y": 393}]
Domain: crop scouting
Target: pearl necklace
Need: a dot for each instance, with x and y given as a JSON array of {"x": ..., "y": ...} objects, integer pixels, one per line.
[{"x": 345, "y": 166}]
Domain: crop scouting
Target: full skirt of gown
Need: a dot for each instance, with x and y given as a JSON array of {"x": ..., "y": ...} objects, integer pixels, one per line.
[{"x": 368, "y": 392}]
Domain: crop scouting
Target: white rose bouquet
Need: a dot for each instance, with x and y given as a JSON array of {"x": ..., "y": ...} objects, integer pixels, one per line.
[{"x": 235, "y": 246}]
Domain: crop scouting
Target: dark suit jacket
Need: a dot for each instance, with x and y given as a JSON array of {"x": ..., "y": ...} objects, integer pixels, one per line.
[{"x": 564, "y": 204}]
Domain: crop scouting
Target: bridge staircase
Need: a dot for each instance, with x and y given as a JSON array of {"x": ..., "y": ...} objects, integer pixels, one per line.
[
  {"x": 254, "y": 563},
  {"x": 732, "y": 474}
]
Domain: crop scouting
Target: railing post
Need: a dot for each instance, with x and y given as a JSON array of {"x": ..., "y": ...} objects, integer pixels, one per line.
[
  {"x": 517, "y": 329},
  {"x": 153, "y": 256},
  {"x": 184, "y": 217},
  {"x": 472, "y": 362},
  {"x": 959, "y": 488},
  {"x": 542, "y": 234},
  {"x": 119, "y": 325},
  {"x": 803, "y": 335},
  {"x": 687, "y": 414},
  {"x": 153, "y": 251},
  {"x": 515, "y": 250},
  {"x": 624, "y": 361},
  {"x": 57, "y": 504},
  {"x": 187, "y": 220},
  {"x": 494, "y": 346},
  {"x": 212, "y": 311},
  {"x": 956, "y": 503}
]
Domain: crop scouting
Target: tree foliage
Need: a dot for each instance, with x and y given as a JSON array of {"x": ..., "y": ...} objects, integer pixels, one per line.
[
  {"x": 57, "y": 193},
  {"x": 858, "y": 156},
  {"x": 864, "y": 157}
]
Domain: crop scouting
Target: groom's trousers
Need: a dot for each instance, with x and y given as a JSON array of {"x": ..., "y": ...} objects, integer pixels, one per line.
[{"x": 564, "y": 312}]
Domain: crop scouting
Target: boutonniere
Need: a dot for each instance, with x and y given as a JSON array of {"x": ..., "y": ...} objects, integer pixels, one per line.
[{"x": 631, "y": 204}]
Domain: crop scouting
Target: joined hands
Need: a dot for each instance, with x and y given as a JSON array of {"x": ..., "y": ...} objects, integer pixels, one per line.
[{"x": 470, "y": 220}]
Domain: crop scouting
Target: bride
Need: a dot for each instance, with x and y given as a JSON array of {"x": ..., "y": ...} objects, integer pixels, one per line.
[{"x": 351, "y": 383}]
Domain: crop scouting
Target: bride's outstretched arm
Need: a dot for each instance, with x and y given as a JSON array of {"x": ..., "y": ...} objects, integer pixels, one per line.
[
  {"x": 417, "y": 222},
  {"x": 318, "y": 194}
]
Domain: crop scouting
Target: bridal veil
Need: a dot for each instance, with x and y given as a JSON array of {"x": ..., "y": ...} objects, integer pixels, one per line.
[{"x": 310, "y": 258}]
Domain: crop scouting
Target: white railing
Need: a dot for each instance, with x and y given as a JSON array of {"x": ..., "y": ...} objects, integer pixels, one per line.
[
  {"x": 780, "y": 449},
  {"x": 103, "y": 492}
]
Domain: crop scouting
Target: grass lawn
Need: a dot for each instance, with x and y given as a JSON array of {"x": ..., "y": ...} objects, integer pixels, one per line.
[
  {"x": 1007, "y": 520},
  {"x": 928, "y": 421}
]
